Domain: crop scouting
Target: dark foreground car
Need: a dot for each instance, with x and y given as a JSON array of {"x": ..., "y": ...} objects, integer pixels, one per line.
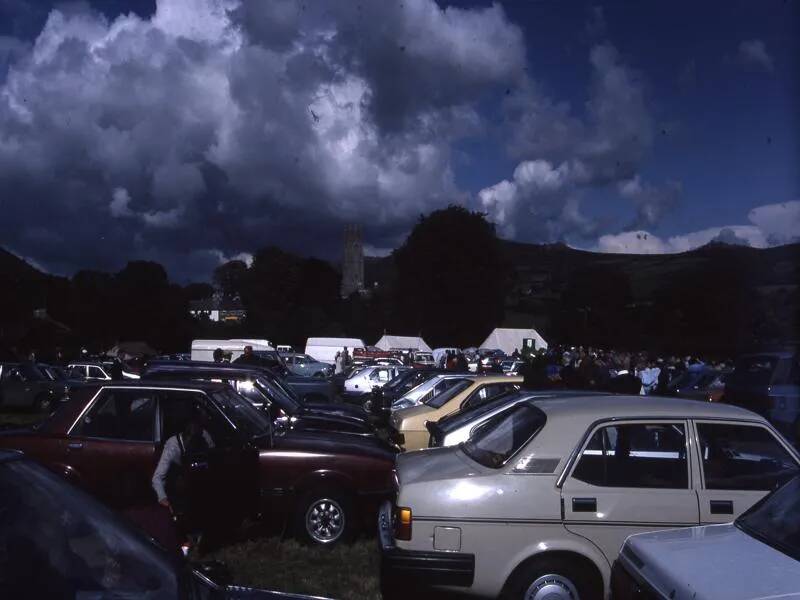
[
  {"x": 308, "y": 388},
  {"x": 265, "y": 390},
  {"x": 29, "y": 385},
  {"x": 108, "y": 437},
  {"x": 58, "y": 542}
]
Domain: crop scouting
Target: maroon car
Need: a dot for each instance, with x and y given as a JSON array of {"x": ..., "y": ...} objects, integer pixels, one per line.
[{"x": 108, "y": 437}]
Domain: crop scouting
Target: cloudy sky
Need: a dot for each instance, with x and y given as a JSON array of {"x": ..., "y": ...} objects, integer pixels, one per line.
[{"x": 194, "y": 131}]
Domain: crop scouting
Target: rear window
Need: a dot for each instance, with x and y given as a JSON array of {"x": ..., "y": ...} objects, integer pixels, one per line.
[
  {"x": 441, "y": 399},
  {"x": 500, "y": 438}
]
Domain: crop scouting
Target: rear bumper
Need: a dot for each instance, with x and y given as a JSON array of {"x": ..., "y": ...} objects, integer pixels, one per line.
[
  {"x": 416, "y": 569},
  {"x": 624, "y": 586}
]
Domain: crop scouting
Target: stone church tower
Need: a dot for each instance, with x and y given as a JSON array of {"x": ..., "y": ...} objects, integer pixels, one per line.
[{"x": 353, "y": 261}]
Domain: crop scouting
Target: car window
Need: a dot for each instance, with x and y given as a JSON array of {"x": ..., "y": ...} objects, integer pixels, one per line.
[
  {"x": 179, "y": 407},
  {"x": 96, "y": 372},
  {"x": 497, "y": 440},
  {"x": 743, "y": 457},
  {"x": 486, "y": 393},
  {"x": 125, "y": 414},
  {"x": 13, "y": 374},
  {"x": 641, "y": 455},
  {"x": 776, "y": 520},
  {"x": 77, "y": 372}
]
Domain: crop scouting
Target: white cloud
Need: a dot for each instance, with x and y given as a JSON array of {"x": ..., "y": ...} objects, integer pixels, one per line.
[
  {"x": 120, "y": 199},
  {"x": 753, "y": 53},
  {"x": 771, "y": 225}
]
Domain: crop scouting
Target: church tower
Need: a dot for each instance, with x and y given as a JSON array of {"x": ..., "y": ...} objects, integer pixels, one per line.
[{"x": 352, "y": 262}]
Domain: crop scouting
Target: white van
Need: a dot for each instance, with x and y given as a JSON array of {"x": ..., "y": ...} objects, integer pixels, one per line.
[
  {"x": 204, "y": 349},
  {"x": 325, "y": 349}
]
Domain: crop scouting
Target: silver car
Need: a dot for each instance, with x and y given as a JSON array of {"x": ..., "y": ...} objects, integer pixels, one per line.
[
  {"x": 539, "y": 501},
  {"x": 305, "y": 365}
]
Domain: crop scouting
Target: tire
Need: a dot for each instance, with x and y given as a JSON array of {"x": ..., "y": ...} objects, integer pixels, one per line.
[
  {"x": 554, "y": 578},
  {"x": 319, "y": 375},
  {"x": 367, "y": 406},
  {"x": 324, "y": 517},
  {"x": 43, "y": 403}
]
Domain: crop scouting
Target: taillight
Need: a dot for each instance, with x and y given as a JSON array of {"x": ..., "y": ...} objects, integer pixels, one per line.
[{"x": 402, "y": 523}]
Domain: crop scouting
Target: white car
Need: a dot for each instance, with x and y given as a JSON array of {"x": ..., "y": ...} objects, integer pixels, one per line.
[
  {"x": 754, "y": 558},
  {"x": 364, "y": 380},
  {"x": 539, "y": 501},
  {"x": 429, "y": 389}
]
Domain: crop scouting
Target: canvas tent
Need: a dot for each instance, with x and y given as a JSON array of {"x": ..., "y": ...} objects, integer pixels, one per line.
[
  {"x": 325, "y": 349},
  {"x": 509, "y": 340},
  {"x": 388, "y": 342}
]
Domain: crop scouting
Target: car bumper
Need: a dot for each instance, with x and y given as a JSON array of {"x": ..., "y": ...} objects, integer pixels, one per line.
[
  {"x": 413, "y": 568},
  {"x": 624, "y": 586}
]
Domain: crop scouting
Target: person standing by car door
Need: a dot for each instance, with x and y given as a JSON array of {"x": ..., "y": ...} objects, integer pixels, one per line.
[{"x": 171, "y": 477}]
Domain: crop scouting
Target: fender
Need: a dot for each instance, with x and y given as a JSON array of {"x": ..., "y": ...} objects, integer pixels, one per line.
[
  {"x": 574, "y": 543},
  {"x": 326, "y": 477}
]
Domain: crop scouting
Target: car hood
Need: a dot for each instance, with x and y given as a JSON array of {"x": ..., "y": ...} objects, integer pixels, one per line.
[
  {"x": 433, "y": 464},
  {"x": 334, "y": 443},
  {"x": 716, "y": 561}
]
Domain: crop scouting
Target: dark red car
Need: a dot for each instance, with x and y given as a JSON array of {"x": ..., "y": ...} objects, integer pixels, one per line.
[{"x": 108, "y": 437}]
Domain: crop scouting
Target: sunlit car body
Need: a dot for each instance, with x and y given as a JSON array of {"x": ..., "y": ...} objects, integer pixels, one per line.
[
  {"x": 88, "y": 550},
  {"x": 755, "y": 558},
  {"x": 365, "y": 380},
  {"x": 108, "y": 438},
  {"x": 409, "y": 424},
  {"x": 381, "y": 400},
  {"x": 305, "y": 365},
  {"x": 539, "y": 501}
]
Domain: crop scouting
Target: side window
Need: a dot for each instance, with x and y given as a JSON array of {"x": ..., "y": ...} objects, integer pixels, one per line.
[
  {"x": 486, "y": 393},
  {"x": 179, "y": 408},
  {"x": 96, "y": 372},
  {"x": 77, "y": 372},
  {"x": 13, "y": 374},
  {"x": 743, "y": 457},
  {"x": 121, "y": 415},
  {"x": 647, "y": 455}
]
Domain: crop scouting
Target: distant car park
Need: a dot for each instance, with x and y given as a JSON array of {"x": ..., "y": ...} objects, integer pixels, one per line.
[{"x": 31, "y": 386}]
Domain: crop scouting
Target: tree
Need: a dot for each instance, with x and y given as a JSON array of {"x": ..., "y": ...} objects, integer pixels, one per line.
[{"x": 451, "y": 278}]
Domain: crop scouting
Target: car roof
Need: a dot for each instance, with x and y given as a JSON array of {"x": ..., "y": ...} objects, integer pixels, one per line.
[
  {"x": 593, "y": 408},
  {"x": 150, "y": 383}
]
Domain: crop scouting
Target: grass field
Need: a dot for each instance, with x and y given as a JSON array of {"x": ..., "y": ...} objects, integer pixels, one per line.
[{"x": 344, "y": 572}]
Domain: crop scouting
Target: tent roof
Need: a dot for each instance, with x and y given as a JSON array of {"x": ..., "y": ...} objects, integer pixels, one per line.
[
  {"x": 509, "y": 340},
  {"x": 387, "y": 342}
]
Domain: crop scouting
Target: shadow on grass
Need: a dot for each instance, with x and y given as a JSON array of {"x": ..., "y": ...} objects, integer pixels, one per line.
[{"x": 343, "y": 572}]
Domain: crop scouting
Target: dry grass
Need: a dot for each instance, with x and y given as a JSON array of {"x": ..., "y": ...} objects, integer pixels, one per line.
[{"x": 343, "y": 572}]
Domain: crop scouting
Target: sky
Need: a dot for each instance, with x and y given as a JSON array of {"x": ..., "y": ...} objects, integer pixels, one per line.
[{"x": 192, "y": 132}]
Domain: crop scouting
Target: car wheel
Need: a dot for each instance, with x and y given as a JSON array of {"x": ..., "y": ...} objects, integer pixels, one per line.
[
  {"x": 367, "y": 406},
  {"x": 553, "y": 578},
  {"x": 43, "y": 403},
  {"x": 324, "y": 518},
  {"x": 319, "y": 375}
]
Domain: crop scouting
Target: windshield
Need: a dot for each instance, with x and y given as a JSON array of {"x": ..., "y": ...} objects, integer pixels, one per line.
[
  {"x": 469, "y": 414},
  {"x": 57, "y": 542},
  {"x": 776, "y": 519},
  {"x": 444, "y": 397},
  {"x": 244, "y": 416},
  {"x": 501, "y": 437},
  {"x": 53, "y": 373},
  {"x": 275, "y": 393}
]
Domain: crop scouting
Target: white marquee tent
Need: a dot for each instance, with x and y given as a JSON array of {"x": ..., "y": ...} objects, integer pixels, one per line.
[
  {"x": 387, "y": 342},
  {"x": 509, "y": 340}
]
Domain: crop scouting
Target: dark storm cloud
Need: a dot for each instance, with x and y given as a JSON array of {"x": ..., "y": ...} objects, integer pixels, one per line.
[{"x": 216, "y": 127}]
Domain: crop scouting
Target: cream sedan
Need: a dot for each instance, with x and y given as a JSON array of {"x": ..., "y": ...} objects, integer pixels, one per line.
[{"x": 539, "y": 501}]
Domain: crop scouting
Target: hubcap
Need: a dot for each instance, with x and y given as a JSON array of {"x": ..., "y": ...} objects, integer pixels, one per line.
[
  {"x": 552, "y": 587},
  {"x": 325, "y": 521}
]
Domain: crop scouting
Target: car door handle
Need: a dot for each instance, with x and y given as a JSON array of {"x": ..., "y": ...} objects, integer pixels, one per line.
[
  {"x": 722, "y": 507},
  {"x": 75, "y": 446},
  {"x": 584, "y": 505}
]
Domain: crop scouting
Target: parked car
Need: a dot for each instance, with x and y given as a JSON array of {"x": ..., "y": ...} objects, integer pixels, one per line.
[
  {"x": 381, "y": 400},
  {"x": 306, "y": 366},
  {"x": 769, "y": 384},
  {"x": 323, "y": 486},
  {"x": 29, "y": 385},
  {"x": 430, "y": 388},
  {"x": 267, "y": 391},
  {"x": 511, "y": 366},
  {"x": 459, "y": 426},
  {"x": 422, "y": 360},
  {"x": 408, "y": 424},
  {"x": 755, "y": 557},
  {"x": 539, "y": 501},
  {"x": 365, "y": 380},
  {"x": 700, "y": 384},
  {"x": 89, "y": 371},
  {"x": 307, "y": 389},
  {"x": 59, "y": 542}
]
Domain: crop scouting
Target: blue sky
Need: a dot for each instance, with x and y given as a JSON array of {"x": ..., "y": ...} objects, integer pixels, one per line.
[{"x": 194, "y": 131}]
